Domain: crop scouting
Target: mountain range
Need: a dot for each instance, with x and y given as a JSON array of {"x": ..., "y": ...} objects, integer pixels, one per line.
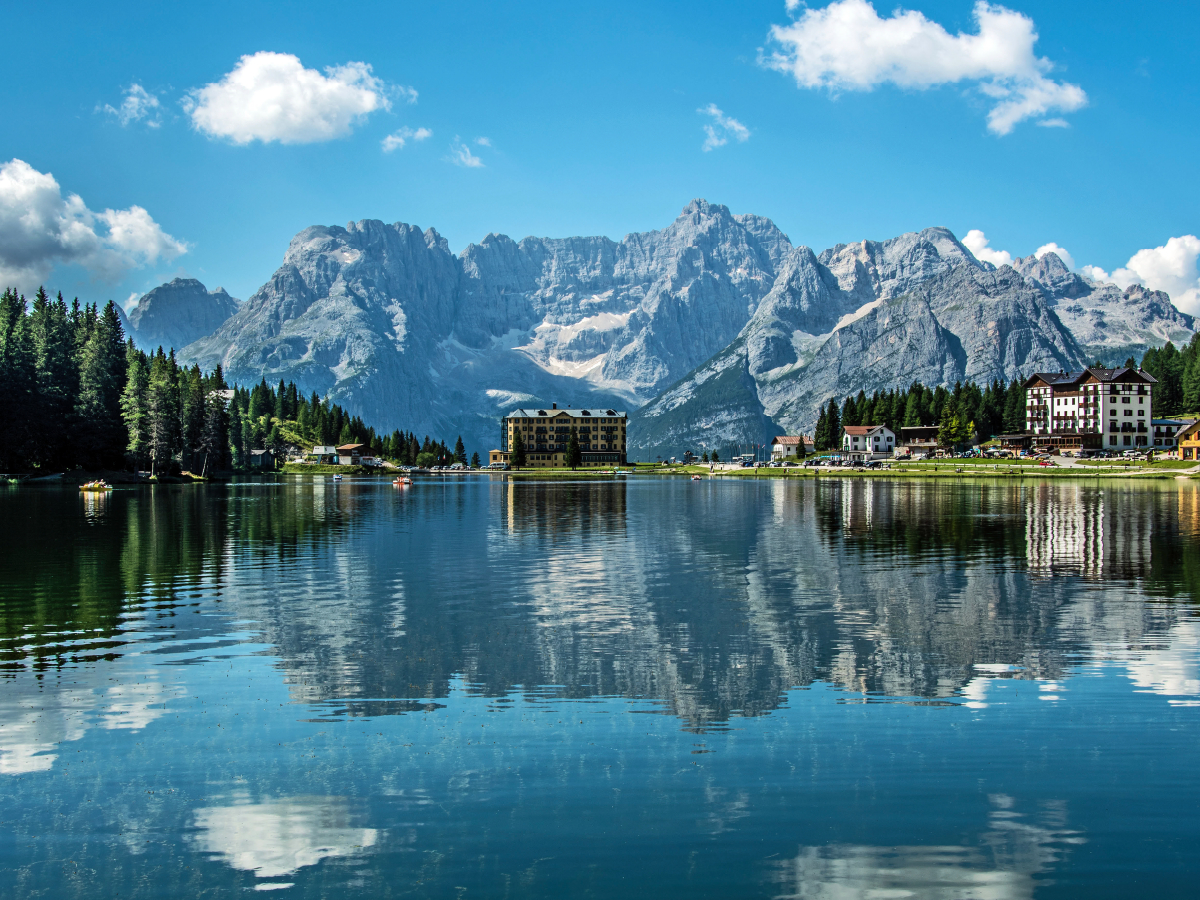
[{"x": 713, "y": 330}]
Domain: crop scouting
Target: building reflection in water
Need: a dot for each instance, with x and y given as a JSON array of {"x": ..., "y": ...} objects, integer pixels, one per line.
[
  {"x": 1084, "y": 530},
  {"x": 1002, "y": 865}
]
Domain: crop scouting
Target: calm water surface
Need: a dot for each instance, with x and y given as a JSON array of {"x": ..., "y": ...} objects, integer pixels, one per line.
[{"x": 659, "y": 688}]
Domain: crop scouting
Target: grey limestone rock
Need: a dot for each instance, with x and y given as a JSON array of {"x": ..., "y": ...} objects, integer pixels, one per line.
[
  {"x": 178, "y": 312},
  {"x": 715, "y": 329}
]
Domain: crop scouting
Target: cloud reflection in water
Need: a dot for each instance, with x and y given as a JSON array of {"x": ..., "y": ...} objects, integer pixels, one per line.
[{"x": 279, "y": 837}]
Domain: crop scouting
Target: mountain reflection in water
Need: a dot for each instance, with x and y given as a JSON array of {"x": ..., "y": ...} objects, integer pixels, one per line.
[
  {"x": 647, "y": 687},
  {"x": 710, "y": 599}
]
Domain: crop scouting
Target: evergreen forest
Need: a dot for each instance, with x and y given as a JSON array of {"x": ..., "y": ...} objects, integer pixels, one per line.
[{"x": 75, "y": 393}]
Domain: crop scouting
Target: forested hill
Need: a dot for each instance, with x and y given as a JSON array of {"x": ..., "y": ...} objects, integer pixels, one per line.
[{"x": 75, "y": 392}]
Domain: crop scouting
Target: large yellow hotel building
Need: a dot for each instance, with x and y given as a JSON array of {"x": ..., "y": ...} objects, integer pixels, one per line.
[{"x": 601, "y": 434}]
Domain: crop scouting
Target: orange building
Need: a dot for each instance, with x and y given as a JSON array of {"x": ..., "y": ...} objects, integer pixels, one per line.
[{"x": 1188, "y": 440}]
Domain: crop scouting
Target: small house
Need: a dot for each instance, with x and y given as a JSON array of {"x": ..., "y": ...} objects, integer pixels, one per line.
[
  {"x": 791, "y": 446},
  {"x": 350, "y": 454},
  {"x": 918, "y": 440},
  {"x": 1189, "y": 442},
  {"x": 262, "y": 459},
  {"x": 863, "y": 442}
]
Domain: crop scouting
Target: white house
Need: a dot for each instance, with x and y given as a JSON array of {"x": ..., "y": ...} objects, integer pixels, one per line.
[
  {"x": 788, "y": 446},
  {"x": 1165, "y": 431},
  {"x": 868, "y": 441}
]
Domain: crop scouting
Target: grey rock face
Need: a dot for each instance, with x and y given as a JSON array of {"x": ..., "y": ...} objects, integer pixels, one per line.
[
  {"x": 716, "y": 326},
  {"x": 1110, "y": 323},
  {"x": 178, "y": 312},
  {"x": 384, "y": 319},
  {"x": 966, "y": 323},
  {"x": 812, "y": 294}
]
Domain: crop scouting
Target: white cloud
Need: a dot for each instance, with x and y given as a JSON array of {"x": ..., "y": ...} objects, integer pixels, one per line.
[
  {"x": 847, "y": 46},
  {"x": 40, "y": 228},
  {"x": 1067, "y": 258},
  {"x": 272, "y": 97},
  {"x": 976, "y": 241},
  {"x": 1054, "y": 123},
  {"x": 405, "y": 93},
  {"x": 138, "y": 104},
  {"x": 397, "y": 139},
  {"x": 460, "y": 155},
  {"x": 483, "y": 142},
  {"x": 722, "y": 128},
  {"x": 1171, "y": 268}
]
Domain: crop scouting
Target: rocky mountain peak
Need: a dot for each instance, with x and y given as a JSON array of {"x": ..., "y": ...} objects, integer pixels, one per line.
[{"x": 178, "y": 312}]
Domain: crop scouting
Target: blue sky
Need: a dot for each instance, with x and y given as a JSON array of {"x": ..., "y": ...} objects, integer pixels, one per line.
[{"x": 594, "y": 116}]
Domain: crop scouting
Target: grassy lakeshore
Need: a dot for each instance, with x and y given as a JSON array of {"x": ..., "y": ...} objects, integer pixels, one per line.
[{"x": 960, "y": 468}]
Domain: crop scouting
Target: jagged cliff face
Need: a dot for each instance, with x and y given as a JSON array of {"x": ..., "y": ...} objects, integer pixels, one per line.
[
  {"x": 716, "y": 326},
  {"x": 1109, "y": 323},
  {"x": 386, "y": 320},
  {"x": 868, "y": 316},
  {"x": 177, "y": 313}
]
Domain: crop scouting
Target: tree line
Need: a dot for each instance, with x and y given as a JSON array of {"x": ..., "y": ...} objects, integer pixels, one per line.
[
  {"x": 1178, "y": 374},
  {"x": 75, "y": 392},
  {"x": 958, "y": 412}
]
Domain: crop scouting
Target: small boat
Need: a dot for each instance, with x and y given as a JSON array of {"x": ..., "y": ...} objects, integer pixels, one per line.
[
  {"x": 96, "y": 486},
  {"x": 696, "y": 478},
  {"x": 337, "y": 477},
  {"x": 403, "y": 481}
]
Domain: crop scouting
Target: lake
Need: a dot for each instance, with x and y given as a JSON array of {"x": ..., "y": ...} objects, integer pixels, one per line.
[{"x": 479, "y": 687}]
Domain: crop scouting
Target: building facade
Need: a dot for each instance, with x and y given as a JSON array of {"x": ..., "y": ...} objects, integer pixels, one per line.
[
  {"x": 1095, "y": 409},
  {"x": 546, "y": 433},
  {"x": 917, "y": 440},
  {"x": 1189, "y": 442},
  {"x": 789, "y": 446},
  {"x": 868, "y": 442},
  {"x": 1165, "y": 432}
]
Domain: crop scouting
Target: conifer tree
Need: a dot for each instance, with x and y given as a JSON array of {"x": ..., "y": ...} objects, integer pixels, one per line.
[
  {"x": 460, "y": 451},
  {"x": 834, "y": 427},
  {"x": 100, "y": 437},
  {"x": 574, "y": 454},
  {"x": 135, "y": 405},
  {"x": 518, "y": 450},
  {"x": 162, "y": 408}
]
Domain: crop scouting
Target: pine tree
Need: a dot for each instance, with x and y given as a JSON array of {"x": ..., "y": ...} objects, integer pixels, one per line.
[
  {"x": 574, "y": 454},
  {"x": 100, "y": 436},
  {"x": 912, "y": 408},
  {"x": 1014, "y": 408},
  {"x": 834, "y": 428},
  {"x": 135, "y": 405},
  {"x": 518, "y": 450},
  {"x": 849, "y": 414},
  {"x": 56, "y": 378},
  {"x": 212, "y": 449},
  {"x": 162, "y": 408},
  {"x": 460, "y": 451}
]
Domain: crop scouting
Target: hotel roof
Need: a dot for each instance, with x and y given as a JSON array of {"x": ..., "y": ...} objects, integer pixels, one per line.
[
  {"x": 573, "y": 413},
  {"x": 1105, "y": 376}
]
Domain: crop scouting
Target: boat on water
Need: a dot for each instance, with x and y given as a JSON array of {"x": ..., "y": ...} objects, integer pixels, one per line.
[
  {"x": 696, "y": 478},
  {"x": 337, "y": 477},
  {"x": 96, "y": 486},
  {"x": 403, "y": 481}
]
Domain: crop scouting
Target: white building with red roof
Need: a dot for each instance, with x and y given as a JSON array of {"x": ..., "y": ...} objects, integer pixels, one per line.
[{"x": 863, "y": 442}]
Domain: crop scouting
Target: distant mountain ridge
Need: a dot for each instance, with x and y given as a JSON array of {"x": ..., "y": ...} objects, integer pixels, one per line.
[
  {"x": 178, "y": 312},
  {"x": 716, "y": 326}
]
